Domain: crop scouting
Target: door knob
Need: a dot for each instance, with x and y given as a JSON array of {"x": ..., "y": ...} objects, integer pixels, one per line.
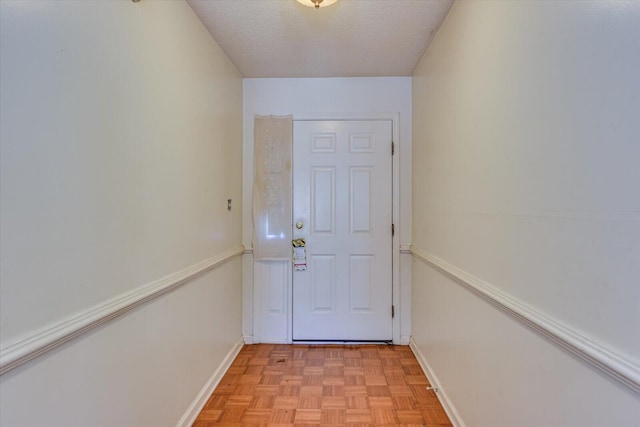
[{"x": 299, "y": 225}]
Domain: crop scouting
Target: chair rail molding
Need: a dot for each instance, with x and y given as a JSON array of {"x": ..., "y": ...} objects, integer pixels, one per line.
[
  {"x": 51, "y": 336},
  {"x": 599, "y": 356}
]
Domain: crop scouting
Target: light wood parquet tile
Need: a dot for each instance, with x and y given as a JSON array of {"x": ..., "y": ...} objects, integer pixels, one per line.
[
  {"x": 302, "y": 385},
  {"x": 334, "y": 402}
]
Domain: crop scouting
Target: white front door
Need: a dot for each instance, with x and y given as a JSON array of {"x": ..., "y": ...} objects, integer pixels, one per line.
[{"x": 342, "y": 202}]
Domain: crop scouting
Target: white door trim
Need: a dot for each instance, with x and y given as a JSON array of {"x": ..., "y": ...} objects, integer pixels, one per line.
[{"x": 395, "y": 119}]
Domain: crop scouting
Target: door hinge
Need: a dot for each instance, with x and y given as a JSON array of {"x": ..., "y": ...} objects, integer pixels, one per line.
[
  {"x": 393, "y": 148},
  {"x": 393, "y": 311},
  {"x": 393, "y": 229}
]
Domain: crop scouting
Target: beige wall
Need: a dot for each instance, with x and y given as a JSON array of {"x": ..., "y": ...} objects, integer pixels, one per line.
[
  {"x": 525, "y": 176},
  {"x": 121, "y": 139}
]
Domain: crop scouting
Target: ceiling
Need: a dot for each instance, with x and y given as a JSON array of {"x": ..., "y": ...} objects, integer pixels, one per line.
[{"x": 282, "y": 38}]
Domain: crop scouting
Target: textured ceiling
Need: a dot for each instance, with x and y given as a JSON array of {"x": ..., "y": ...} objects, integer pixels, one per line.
[{"x": 282, "y": 38}]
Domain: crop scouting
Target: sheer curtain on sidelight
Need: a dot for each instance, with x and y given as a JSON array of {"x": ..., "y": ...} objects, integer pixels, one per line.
[{"x": 273, "y": 137}]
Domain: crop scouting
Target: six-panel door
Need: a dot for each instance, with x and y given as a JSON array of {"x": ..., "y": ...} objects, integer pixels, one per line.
[{"x": 342, "y": 183}]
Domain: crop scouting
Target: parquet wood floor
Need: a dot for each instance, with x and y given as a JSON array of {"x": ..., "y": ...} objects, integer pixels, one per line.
[{"x": 291, "y": 385}]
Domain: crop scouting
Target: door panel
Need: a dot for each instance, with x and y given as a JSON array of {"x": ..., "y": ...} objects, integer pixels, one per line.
[
  {"x": 323, "y": 199},
  {"x": 342, "y": 181},
  {"x": 323, "y": 281},
  {"x": 360, "y": 200}
]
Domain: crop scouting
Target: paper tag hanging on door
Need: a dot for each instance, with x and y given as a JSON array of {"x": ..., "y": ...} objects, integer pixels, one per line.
[{"x": 299, "y": 255}]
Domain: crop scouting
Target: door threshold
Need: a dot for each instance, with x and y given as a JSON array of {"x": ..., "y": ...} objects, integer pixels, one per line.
[{"x": 342, "y": 342}]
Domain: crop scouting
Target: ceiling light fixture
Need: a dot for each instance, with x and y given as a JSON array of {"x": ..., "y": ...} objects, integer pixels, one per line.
[{"x": 317, "y": 3}]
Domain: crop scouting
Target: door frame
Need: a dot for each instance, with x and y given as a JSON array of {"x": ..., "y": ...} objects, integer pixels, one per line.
[
  {"x": 395, "y": 202},
  {"x": 267, "y": 286}
]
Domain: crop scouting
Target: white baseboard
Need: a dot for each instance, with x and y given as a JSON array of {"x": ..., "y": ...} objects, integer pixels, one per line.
[
  {"x": 248, "y": 339},
  {"x": 198, "y": 403},
  {"x": 446, "y": 403},
  {"x": 405, "y": 339}
]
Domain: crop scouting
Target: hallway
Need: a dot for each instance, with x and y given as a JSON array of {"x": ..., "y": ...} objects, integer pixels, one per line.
[
  {"x": 325, "y": 384},
  {"x": 129, "y": 276}
]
